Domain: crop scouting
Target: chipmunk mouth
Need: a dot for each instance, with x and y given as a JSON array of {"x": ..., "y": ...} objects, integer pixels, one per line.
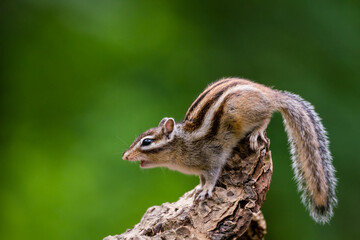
[{"x": 145, "y": 164}]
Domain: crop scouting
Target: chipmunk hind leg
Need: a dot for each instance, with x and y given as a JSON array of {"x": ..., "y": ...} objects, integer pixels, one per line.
[{"x": 249, "y": 111}]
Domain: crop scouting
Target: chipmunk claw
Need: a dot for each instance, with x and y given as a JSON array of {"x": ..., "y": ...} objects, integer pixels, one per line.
[
  {"x": 254, "y": 139},
  {"x": 202, "y": 194}
]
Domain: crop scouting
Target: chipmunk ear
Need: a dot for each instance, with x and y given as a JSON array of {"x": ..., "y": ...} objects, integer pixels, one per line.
[
  {"x": 161, "y": 123},
  {"x": 168, "y": 126}
]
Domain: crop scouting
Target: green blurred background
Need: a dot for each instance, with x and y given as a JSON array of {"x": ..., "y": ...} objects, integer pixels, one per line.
[{"x": 80, "y": 79}]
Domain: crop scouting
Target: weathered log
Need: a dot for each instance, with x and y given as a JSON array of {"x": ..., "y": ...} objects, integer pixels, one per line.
[{"x": 232, "y": 213}]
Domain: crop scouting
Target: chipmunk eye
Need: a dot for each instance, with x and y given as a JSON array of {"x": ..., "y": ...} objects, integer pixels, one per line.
[{"x": 146, "y": 142}]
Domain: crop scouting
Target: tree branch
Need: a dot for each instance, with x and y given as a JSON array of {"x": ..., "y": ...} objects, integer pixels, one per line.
[{"x": 232, "y": 213}]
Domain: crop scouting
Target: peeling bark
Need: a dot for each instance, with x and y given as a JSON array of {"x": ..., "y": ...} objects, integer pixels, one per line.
[{"x": 232, "y": 213}]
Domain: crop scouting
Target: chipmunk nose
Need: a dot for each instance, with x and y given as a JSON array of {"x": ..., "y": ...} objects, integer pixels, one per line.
[{"x": 125, "y": 156}]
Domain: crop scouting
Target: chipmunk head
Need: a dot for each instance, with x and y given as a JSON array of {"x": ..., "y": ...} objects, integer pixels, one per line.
[{"x": 153, "y": 148}]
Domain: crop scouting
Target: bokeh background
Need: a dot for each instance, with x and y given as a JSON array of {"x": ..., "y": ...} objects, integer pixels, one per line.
[{"x": 80, "y": 79}]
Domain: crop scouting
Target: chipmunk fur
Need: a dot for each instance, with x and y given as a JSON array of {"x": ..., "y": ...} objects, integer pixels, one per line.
[{"x": 224, "y": 113}]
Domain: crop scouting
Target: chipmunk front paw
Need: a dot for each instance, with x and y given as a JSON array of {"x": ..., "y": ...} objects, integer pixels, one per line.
[{"x": 202, "y": 193}]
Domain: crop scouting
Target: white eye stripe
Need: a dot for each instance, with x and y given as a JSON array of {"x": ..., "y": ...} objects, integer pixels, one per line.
[
  {"x": 149, "y": 137},
  {"x": 153, "y": 144},
  {"x": 139, "y": 144}
]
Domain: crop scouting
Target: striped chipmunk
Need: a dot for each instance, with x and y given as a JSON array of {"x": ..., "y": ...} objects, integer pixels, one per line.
[{"x": 224, "y": 113}]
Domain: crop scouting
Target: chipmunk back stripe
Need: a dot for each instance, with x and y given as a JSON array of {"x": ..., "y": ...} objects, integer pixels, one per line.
[
  {"x": 208, "y": 99},
  {"x": 198, "y": 100},
  {"x": 232, "y": 87},
  {"x": 198, "y": 119},
  {"x": 215, "y": 122}
]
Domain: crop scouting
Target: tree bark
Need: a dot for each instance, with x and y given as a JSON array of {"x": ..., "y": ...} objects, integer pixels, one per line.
[{"x": 232, "y": 213}]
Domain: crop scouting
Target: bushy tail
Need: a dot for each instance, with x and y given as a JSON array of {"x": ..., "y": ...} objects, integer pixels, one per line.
[{"x": 311, "y": 158}]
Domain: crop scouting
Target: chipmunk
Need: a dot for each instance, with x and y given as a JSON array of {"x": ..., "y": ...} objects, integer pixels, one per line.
[{"x": 224, "y": 113}]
